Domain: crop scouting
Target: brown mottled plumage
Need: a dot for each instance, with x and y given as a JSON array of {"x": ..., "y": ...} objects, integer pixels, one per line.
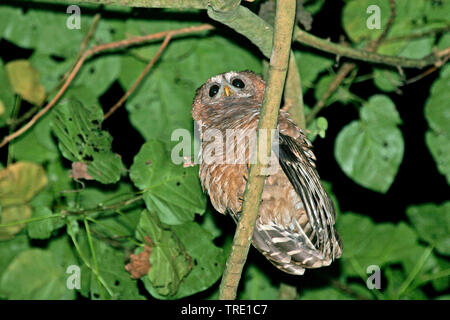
[{"x": 295, "y": 227}]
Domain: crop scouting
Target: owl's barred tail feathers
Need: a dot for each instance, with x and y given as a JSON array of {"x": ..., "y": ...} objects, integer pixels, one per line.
[{"x": 291, "y": 251}]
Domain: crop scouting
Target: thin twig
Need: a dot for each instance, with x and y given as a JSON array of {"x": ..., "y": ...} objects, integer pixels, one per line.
[
  {"x": 342, "y": 73},
  {"x": 83, "y": 46},
  {"x": 140, "y": 78},
  {"x": 284, "y": 23},
  {"x": 91, "y": 52}
]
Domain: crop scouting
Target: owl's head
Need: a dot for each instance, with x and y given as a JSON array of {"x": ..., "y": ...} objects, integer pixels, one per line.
[{"x": 229, "y": 88}]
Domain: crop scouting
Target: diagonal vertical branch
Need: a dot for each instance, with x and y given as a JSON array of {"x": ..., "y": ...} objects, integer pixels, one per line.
[{"x": 284, "y": 23}]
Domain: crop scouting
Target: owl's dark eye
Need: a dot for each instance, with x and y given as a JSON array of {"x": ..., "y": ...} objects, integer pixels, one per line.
[
  {"x": 213, "y": 90},
  {"x": 238, "y": 83}
]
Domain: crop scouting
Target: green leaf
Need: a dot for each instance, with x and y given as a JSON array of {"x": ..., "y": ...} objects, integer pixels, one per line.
[
  {"x": 342, "y": 94},
  {"x": 169, "y": 262},
  {"x": 370, "y": 150},
  {"x": 20, "y": 182},
  {"x": 367, "y": 243},
  {"x": 10, "y": 249},
  {"x": 12, "y": 214},
  {"x": 387, "y": 80},
  {"x": 112, "y": 270},
  {"x": 432, "y": 222},
  {"x": 81, "y": 140},
  {"x": 33, "y": 274},
  {"x": 24, "y": 80},
  {"x": 395, "y": 279},
  {"x": 310, "y": 65},
  {"x": 189, "y": 240},
  {"x": 36, "y": 145},
  {"x": 41, "y": 229},
  {"x": 438, "y": 117},
  {"x": 208, "y": 260},
  {"x": 258, "y": 285},
  {"x": 410, "y": 17},
  {"x": 170, "y": 190}
]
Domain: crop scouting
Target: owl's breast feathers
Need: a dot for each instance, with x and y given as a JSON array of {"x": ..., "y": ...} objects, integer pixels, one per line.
[{"x": 295, "y": 227}]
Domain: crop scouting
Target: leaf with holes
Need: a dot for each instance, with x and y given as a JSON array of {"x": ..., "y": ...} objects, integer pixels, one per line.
[
  {"x": 370, "y": 150},
  {"x": 111, "y": 268},
  {"x": 81, "y": 139},
  {"x": 169, "y": 261},
  {"x": 205, "y": 261},
  {"x": 171, "y": 191}
]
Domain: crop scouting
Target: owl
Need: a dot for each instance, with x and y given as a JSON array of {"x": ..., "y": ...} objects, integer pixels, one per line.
[{"x": 295, "y": 225}]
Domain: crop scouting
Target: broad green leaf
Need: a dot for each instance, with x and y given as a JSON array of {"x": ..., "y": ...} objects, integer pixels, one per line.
[
  {"x": 258, "y": 285},
  {"x": 432, "y": 222},
  {"x": 81, "y": 139},
  {"x": 37, "y": 144},
  {"x": 33, "y": 274},
  {"x": 386, "y": 79},
  {"x": 20, "y": 182},
  {"x": 171, "y": 191},
  {"x": 367, "y": 243},
  {"x": 24, "y": 80},
  {"x": 208, "y": 260},
  {"x": 370, "y": 150},
  {"x": 410, "y": 17},
  {"x": 41, "y": 229},
  {"x": 205, "y": 261},
  {"x": 10, "y": 249},
  {"x": 438, "y": 117},
  {"x": 169, "y": 262}
]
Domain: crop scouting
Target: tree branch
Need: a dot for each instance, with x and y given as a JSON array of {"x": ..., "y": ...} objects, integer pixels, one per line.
[
  {"x": 284, "y": 22},
  {"x": 139, "y": 79},
  {"x": 348, "y": 67},
  {"x": 91, "y": 52}
]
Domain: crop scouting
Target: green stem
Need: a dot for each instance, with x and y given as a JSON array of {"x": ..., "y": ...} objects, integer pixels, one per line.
[
  {"x": 412, "y": 275},
  {"x": 55, "y": 215},
  {"x": 94, "y": 258},
  {"x": 85, "y": 261}
]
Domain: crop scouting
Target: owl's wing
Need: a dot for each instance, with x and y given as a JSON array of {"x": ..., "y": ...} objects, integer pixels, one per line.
[{"x": 297, "y": 162}]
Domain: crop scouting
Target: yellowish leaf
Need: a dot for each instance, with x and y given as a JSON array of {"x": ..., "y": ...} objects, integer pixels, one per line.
[
  {"x": 20, "y": 182},
  {"x": 10, "y": 215},
  {"x": 24, "y": 79}
]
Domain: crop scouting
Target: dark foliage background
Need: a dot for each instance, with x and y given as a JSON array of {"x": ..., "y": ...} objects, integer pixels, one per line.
[{"x": 403, "y": 226}]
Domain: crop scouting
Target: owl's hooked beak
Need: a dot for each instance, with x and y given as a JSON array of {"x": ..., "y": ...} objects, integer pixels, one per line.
[{"x": 227, "y": 91}]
